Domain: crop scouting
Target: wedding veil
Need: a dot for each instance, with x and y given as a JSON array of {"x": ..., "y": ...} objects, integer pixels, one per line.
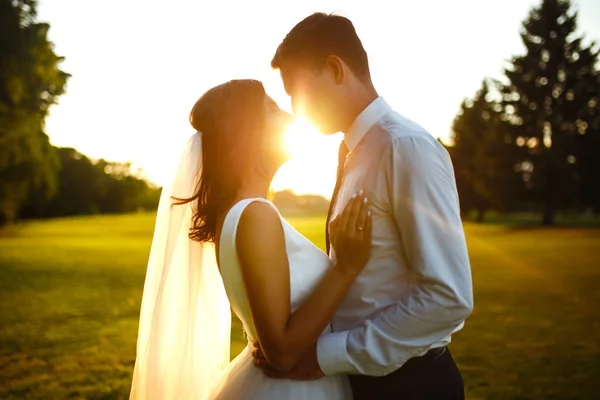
[{"x": 185, "y": 319}]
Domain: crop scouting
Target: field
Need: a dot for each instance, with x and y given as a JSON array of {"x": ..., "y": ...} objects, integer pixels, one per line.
[{"x": 70, "y": 292}]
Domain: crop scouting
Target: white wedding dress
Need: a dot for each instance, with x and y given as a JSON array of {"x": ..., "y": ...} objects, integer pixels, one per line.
[{"x": 307, "y": 263}]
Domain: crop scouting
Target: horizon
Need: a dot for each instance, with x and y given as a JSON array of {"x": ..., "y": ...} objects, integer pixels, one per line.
[{"x": 133, "y": 85}]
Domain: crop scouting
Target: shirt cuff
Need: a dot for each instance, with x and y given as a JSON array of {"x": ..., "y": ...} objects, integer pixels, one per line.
[{"x": 332, "y": 354}]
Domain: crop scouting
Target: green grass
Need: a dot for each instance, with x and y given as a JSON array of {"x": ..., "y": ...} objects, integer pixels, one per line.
[{"x": 70, "y": 292}]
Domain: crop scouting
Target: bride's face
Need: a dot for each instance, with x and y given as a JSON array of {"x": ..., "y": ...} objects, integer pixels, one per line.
[{"x": 277, "y": 123}]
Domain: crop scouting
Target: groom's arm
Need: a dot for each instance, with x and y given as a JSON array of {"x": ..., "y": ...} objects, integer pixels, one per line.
[{"x": 422, "y": 198}]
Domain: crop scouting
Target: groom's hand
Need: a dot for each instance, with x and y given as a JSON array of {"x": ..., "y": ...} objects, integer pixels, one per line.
[
  {"x": 307, "y": 368},
  {"x": 259, "y": 358}
]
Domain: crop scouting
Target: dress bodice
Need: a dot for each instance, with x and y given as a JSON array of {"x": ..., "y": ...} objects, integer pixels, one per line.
[{"x": 307, "y": 264}]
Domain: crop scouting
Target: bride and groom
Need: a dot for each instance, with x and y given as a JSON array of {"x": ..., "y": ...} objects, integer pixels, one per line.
[{"x": 369, "y": 320}]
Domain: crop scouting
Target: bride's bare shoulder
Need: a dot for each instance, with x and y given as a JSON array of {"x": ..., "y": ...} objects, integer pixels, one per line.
[{"x": 259, "y": 218}]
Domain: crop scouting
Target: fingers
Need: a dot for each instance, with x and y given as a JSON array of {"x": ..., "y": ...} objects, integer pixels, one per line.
[
  {"x": 345, "y": 215},
  {"x": 348, "y": 223},
  {"x": 261, "y": 363},
  {"x": 256, "y": 348},
  {"x": 257, "y": 354},
  {"x": 352, "y": 227},
  {"x": 259, "y": 359},
  {"x": 352, "y": 221},
  {"x": 368, "y": 226},
  {"x": 268, "y": 369},
  {"x": 361, "y": 218}
]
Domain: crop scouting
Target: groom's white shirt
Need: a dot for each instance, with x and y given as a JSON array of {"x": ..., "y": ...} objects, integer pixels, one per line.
[{"x": 416, "y": 289}]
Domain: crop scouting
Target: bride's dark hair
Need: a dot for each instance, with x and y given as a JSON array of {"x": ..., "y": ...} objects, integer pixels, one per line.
[{"x": 231, "y": 118}]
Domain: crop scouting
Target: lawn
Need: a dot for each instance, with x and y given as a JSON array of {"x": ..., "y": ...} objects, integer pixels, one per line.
[{"x": 70, "y": 292}]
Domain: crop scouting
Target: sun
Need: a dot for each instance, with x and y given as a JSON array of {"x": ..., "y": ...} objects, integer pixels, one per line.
[
  {"x": 302, "y": 138},
  {"x": 313, "y": 160}
]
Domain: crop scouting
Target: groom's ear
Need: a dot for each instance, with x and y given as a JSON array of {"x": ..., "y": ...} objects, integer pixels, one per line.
[{"x": 335, "y": 67}]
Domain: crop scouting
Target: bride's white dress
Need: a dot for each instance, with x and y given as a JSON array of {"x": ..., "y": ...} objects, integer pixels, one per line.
[{"x": 307, "y": 263}]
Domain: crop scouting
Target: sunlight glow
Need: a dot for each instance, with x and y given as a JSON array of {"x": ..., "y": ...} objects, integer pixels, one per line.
[
  {"x": 302, "y": 138},
  {"x": 311, "y": 170}
]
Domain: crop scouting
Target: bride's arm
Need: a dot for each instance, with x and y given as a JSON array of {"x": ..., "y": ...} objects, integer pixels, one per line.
[{"x": 284, "y": 337}]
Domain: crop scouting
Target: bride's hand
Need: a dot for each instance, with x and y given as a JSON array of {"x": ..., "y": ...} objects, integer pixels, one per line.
[{"x": 351, "y": 235}]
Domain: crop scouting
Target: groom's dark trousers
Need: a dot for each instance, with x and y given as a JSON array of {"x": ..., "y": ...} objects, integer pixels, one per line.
[{"x": 432, "y": 376}]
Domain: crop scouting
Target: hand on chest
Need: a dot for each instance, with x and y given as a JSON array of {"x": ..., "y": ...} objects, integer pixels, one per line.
[{"x": 357, "y": 178}]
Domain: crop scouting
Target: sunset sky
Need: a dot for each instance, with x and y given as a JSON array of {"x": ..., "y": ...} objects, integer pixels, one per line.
[{"x": 138, "y": 66}]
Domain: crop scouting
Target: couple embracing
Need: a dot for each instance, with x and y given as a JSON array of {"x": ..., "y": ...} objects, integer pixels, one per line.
[{"x": 369, "y": 319}]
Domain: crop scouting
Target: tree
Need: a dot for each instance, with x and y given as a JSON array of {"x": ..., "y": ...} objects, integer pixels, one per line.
[
  {"x": 551, "y": 102},
  {"x": 30, "y": 82},
  {"x": 122, "y": 191},
  {"x": 587, "y": 152},
  {"x": 482, "y": 154},
  {"x": 93, "y": 187}
]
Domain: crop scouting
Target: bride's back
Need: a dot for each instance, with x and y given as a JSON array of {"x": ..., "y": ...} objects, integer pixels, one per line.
[{"x": 306, "y": 262}]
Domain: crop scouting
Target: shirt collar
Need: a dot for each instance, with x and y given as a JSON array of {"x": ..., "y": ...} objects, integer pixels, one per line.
[{"x": 365, "y": 120}]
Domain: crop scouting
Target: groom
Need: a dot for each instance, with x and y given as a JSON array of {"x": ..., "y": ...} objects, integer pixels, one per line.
[{"x": 390, "y": 333}]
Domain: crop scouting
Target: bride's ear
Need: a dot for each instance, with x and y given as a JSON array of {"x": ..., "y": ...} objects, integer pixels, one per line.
[{"x": 335, "y": 67}]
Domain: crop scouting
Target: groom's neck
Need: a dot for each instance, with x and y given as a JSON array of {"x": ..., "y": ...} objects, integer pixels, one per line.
[{"x": 361, "y": 97}]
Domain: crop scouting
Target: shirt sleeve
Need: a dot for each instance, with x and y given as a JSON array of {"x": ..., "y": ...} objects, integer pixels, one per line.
[{"x": 423, "y": 201}]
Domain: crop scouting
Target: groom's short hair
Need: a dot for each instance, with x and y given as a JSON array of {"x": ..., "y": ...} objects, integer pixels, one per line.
[{"x": 321, "y": 35}]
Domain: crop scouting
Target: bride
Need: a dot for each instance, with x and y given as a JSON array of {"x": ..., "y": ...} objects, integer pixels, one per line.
[{"x": 218, "y": 243}]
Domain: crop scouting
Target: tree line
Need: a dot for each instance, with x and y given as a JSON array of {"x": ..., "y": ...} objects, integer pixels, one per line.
[
  {"x": 531, "y": 141},
  {"x": 527, "y": 142},
  {"x": 37, "y": 179}
]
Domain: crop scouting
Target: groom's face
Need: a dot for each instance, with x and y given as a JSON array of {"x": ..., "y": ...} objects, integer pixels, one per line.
[{"x": 314, "y": 95}]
